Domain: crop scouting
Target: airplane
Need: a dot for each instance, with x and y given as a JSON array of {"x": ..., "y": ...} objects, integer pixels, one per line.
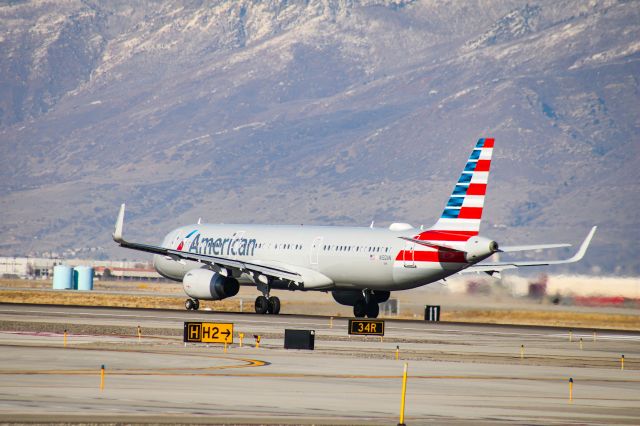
[{"x": 360, "y": 266}]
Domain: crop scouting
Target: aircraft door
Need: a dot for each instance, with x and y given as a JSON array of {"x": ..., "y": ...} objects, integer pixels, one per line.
[
  {"x": 315, "y": 250},
  {"x": 408, "y": 255}
]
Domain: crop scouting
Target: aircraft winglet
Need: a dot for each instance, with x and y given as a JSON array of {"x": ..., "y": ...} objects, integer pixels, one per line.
[
  {"x": 117, "y": 233},
  {"x": 583, "y": 247}
]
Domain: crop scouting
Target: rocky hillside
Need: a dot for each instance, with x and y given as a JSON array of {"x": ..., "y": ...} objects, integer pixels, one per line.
[{"x": 324, "y": 112}]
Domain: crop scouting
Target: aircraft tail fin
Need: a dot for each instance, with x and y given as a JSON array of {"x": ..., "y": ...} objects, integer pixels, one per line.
[{"x": 463, "y": 212}]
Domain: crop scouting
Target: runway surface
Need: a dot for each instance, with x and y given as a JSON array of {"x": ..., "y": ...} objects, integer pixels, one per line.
[{"x": 458, "y": 373}]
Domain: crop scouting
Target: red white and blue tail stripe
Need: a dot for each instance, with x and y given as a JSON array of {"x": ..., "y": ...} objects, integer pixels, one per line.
[{"x": 463, "y": 212}]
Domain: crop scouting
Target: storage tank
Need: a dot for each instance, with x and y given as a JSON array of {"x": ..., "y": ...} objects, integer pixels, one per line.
[
  {"x": 62, "y": 277},
  {"x": 83, "y": 277}
]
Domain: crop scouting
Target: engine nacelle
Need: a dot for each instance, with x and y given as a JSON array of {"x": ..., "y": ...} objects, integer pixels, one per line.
[
  {"x": 479, "y": 248},
  {"x": 350, "y": 297},
  {"x": 207, "y": 285}
]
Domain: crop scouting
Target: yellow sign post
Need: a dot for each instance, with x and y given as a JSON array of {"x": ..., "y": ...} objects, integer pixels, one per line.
[
  {"x": 571, "y": 389},
  {"x": 367, "y": 327},
  {"x": 208, "y": 332},
  {"x": 102, "y": 377},
  {"x": 404, "y": 393}
]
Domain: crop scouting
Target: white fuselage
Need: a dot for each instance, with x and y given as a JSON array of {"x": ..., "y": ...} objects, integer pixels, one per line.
[{"x": 350, "y": 257}]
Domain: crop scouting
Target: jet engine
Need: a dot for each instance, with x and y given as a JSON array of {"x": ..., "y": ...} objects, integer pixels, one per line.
[
  {"x": 478, "y": 248},
  {"x": 207, "y": 285},
  {"x": 350, "y": 297}
]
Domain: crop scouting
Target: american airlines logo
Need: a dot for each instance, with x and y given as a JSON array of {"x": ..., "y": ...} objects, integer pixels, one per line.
[{"x": 221, "y": 246}]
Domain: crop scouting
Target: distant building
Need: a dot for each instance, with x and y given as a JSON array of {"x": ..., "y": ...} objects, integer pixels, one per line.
[
  {"x": 23, "y": 267},
  {"x": 42, "y": 268}
]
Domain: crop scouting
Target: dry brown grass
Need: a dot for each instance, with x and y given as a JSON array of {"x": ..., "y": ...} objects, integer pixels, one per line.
[{"x": 113, "y": 300}]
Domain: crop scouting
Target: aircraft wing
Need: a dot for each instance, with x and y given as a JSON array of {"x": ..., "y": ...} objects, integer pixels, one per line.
[
  {"x": 215, "y": 261},
  {"x": 496, "y": 268}
]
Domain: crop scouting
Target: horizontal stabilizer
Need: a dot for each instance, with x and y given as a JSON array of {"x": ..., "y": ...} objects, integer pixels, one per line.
[
  {"x": 492, "y": 268},
  {"x": 510, "y": 249}
]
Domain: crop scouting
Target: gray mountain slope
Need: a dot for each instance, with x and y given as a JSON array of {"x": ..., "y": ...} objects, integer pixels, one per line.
[{"x": 318, "y": 112}]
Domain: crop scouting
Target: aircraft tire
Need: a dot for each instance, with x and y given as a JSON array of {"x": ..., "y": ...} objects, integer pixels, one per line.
[
  {"x": 274, "y": 305},
  {"x": 189, "y": 305},
  {"x": 360, "y": 309},
  {"x": 262, "y": 305},
  {"x": 373, "y": 309},
  {"x": 196, "y": 304}
]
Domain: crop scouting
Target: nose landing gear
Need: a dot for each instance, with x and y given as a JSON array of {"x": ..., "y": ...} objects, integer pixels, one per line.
[{"x": 192, "y": 304}]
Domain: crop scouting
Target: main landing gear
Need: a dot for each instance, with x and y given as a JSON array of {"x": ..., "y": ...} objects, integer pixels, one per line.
[
  {"x": 192, "y": 304},
  {"x": 266, "y": 304},
  {"x": 367, "y": 306},
  {"x": 362, "y": 309}
]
